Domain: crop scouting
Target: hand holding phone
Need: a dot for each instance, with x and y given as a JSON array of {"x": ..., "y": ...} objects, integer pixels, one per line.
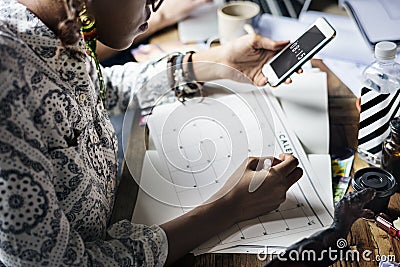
[{"x": 295, "y": 54}]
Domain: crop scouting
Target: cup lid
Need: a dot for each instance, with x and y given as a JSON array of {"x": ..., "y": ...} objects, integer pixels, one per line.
[{"x": 382, "y": 181}]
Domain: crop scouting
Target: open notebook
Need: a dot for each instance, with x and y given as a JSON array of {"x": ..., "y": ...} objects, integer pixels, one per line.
[{"x": 201, "y": 143}]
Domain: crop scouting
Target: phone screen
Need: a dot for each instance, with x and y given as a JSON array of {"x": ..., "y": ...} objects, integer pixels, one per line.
[{"x": 296, "y": 51}]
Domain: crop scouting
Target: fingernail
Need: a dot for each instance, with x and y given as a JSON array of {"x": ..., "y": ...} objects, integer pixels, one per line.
[{"x": 267, "y": 164}]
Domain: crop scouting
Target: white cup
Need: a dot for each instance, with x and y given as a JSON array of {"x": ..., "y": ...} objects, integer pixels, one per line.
[{"x": 234, "y": 17}]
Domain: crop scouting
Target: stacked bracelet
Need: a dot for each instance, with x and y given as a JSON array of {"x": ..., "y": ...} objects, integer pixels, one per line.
[
  {"x": 182, "y": 82},
  {"x": 190, "y": 73}
]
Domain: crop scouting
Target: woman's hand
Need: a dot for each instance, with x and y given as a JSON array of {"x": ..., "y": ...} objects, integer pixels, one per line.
[
  {"x": 233, "y": 203},
  {"x": 245, "y": 55},
  {"x": 249, "y": 53},
  {"x": 173, "y": 11},
  {"x": 283, "y": 173}
]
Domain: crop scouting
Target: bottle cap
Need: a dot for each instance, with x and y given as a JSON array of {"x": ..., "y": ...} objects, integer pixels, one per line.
[
  {"x": 395, "y": 125},
  {"x": 376, "y": 178},
  {"x": 385, "y": 50},
  {"x": 382, "y": 181}
]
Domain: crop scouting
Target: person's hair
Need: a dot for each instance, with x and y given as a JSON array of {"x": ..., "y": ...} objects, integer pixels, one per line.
[{"x": 68, "y": 29}]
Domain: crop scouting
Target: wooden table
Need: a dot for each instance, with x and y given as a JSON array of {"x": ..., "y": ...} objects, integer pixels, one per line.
[{"x": 343, "y": 119}]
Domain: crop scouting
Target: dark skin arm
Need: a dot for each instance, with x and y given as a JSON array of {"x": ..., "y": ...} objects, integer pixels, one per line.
[{"x": 233, "y": 203}]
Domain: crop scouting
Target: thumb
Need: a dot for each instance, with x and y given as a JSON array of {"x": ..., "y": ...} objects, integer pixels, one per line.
[
  {"x": 260, "y": 79},
  {"x": 269, "y": 44}
]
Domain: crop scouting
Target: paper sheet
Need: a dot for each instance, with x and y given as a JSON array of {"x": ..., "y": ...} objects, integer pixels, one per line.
[
  {"x": 174, "y": 182},
  {"x": 200, "y": 25},
  {"x": 321, "y": 164},
  {"x": 305, "y": 105},
  {"x": 149, "y": 210}
]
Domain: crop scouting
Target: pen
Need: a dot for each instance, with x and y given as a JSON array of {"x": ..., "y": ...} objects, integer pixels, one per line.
[
  {"x": 257, "y": 180},
  {"x": 387, "y": 226}
]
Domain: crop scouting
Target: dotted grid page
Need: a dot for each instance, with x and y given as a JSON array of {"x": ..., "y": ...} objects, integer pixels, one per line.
[{"x": 201, "y": 143}]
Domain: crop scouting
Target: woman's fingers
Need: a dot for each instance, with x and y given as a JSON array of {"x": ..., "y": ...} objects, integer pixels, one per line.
[
  {"x": 294, "y": 176},
  {"x": 288, "y": 81},
  {"x": 257, "y": 164},
  {"x": 268, "y": 44},
  {"x": 285, "y": 168},
  {"x": 288, "y": 164}
]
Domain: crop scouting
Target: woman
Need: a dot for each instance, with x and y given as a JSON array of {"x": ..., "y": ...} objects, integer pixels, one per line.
[
  {"x": 58, "y": 150},
  {"x": 170, "y": 13}
]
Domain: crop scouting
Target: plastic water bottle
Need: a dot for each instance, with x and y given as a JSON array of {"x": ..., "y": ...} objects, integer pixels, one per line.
[
  {"x": 383, "y": 75},
  {"x": 379, "y": 102}
]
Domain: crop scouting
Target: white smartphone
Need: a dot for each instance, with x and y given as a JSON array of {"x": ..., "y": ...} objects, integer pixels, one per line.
[{"x": 295, "y": 54}]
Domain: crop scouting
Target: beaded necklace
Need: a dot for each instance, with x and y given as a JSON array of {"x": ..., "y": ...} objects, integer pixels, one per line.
[{"x": 89, "y": 35}]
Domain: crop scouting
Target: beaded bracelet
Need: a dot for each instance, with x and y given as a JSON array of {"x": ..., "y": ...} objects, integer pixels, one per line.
[
  {"x": 182, "y": 82},
  {"x": 170, "y": 69},
  {"x": 190, "y": 73}
]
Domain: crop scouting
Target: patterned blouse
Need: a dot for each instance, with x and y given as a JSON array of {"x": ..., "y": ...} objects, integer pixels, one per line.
[{"x": 58, "y": 150}]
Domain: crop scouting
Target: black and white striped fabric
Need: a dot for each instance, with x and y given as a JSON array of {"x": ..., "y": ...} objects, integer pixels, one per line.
[{"x": 377, "y": 110}]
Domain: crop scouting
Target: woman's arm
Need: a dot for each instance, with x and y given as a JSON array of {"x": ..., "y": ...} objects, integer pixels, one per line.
[
  {"x": 233, "y": 203},
  {"x": 246, "y": 55},
  {"x": 241, "y": 60}
]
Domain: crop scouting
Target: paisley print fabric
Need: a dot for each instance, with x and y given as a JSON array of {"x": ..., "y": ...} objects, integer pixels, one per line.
[{"x": 58, "y": 153}]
